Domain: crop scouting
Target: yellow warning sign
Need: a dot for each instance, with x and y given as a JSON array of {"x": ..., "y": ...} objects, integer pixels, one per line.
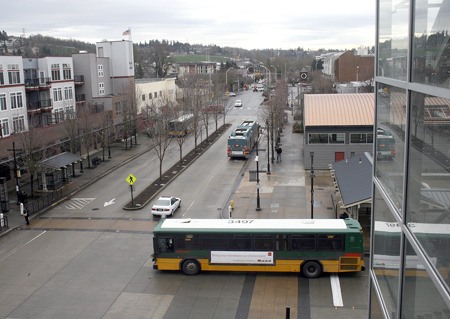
[{"x": 131, "y": 179}]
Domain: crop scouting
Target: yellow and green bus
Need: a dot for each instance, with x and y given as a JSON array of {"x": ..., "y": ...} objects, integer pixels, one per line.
[{"x": 309, "y": 246}]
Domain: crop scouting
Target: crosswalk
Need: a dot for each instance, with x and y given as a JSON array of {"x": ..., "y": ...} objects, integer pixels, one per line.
[{"x": 77, "y": 203}]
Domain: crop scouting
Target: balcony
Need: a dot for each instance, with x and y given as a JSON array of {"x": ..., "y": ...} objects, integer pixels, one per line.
[
  {"x": 80, "y": 98},
  {"x": 37, "y": 84},
  {"x": 39, "y": 106},
  {"x": 79, "y": 79}
]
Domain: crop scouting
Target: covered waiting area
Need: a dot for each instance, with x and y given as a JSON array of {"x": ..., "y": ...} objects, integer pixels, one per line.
[
  {"x": 352, "y": 179},
  {"x": 59, "y": 170}
]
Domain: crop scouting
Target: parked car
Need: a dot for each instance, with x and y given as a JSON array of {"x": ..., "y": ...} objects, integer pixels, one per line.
[
  {"x": 232, "y": 94},
  {"x": 238, "y": 103},
  {"x": 166, "y": 206}
]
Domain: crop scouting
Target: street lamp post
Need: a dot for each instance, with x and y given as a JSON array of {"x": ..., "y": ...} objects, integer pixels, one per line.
[
  {"x": 16, "y": 171},
  {"x": 258, "y": 206},
  {"x": 268, "y": 80},
  {"x": 268, "y": 147},
  {"x": 276, "y": 73},
  {"x": 357, "y": 78},
  {"x": 312, "y": 184},
  {"x": 226, "y": 76}
]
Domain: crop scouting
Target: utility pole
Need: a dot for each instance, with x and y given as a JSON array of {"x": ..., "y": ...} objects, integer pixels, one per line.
[{"x": 16, "y": 171}]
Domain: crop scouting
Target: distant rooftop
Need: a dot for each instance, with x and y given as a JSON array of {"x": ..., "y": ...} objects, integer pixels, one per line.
[{"x": 339, "y": 109}]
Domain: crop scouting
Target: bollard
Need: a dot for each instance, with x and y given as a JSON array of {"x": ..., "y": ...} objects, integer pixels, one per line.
[
  {"x": 2, "y": 221},
  {"x": 288, "y": 312},
  {"x": 229, "y": 212},
  {"x": 232, "y": 204}
]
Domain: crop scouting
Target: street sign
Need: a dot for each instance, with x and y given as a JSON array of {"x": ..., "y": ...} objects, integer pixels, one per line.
[{"x": 131, "y": 179}]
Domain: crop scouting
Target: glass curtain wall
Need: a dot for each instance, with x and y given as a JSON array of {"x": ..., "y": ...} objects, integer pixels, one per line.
[{"x": 410, "y": 238}]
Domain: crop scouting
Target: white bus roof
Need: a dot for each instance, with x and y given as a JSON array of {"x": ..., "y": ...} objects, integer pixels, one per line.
[{"x": 254, "y": 224}]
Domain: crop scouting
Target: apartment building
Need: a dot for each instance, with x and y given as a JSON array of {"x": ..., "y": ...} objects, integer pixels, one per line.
[
  {"x": 13, "y": 111},
  {"x": 410, "y": 259},
  {"x": 50, "y": 89}
]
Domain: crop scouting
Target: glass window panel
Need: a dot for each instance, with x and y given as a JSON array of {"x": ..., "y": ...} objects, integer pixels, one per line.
[
  {"x": 420, "y": 296},
  {"x": 390, "y": 141},
  {"x": 393, "y": 38},
  {"x": 431, "y": 46},
  {"x": 386, "y": 252},
  {"x": 318, "y": 138},
  {"x": 376, "y": 311},
  {"x": 429, "y": 180}
]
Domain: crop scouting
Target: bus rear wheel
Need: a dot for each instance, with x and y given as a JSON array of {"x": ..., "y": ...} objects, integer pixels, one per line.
[
  {"x": 311, "y": 269},
  {"x": 190, "y": 267}
]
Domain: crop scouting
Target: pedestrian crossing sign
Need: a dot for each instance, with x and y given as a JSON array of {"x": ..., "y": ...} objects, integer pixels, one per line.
[{"x": 131, "y": 179}]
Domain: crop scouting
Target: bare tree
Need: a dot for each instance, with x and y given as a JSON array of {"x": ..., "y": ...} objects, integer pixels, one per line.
[
  {"x": 160, "y": 139},
  {"x": 33, "y": 151}
]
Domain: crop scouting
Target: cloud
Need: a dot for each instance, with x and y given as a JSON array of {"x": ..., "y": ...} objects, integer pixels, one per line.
[{"x": 249, "y": 25}]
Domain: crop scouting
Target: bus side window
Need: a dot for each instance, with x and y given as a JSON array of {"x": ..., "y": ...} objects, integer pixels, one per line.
[
  {"x": 165, "y": 245},
  {"x": 281, "y": 242},
  {"x": 303, "y": 242},
  {"x": 330, "y": 242}
]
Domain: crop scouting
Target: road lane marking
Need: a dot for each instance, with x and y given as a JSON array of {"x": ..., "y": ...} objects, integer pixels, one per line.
[
  {"x": 336, "y": 290},
  {"x": 17, "y": 249},
  {"x": 189, "y": 208}
]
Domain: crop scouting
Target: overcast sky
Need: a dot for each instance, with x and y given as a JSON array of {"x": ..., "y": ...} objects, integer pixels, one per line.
[{"x": 277, "y": 24}]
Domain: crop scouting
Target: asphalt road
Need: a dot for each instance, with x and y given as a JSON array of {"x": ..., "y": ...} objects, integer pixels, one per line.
[{"x": 89, "y": 258}]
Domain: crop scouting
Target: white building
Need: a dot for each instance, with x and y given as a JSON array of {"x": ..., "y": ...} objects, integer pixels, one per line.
[
  {"x": 13, "y": 112},
  {"x": 151, "y": 94}
]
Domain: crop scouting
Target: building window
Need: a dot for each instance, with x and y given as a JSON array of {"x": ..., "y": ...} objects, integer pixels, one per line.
[
  {"x": 118, "y": 108},
  {"x": 336, "y": 138},
  {"x": 150, "y": 96},
  {"x": 5, "y": 127},
  {"x": 16, "y": 100},
  {"x": 56, "y": 76},
  {"x": 430, "y": 44},
  {"x": 391, "y": 113},
  {"x": 13, "y": 73},
  {"x": 156, "y": 95},
  {"x": 358, "y": 138},
  {"x": 67, "y": 72},
  {"x": 160, "y": 93},
  {"x": 68, "y": 93},
  {"x": 143, "y": 97},
  {"x": 100, "y": 70},
  {"x": 326, "y": 138},
  {"x": 318, "y": 138},
  {"x": 2, "y": 80},
  {"x": 3, "y": 106},
  {"x": 101, "y": 88},
  {"x": 393, "y": 41},
  {"x": 18, "y": 124},
  {"x": 57, "y": 94}
]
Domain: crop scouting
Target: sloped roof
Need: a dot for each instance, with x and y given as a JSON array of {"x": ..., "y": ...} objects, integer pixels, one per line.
[
  {"x": 60, "y": 160},
  {"x": 356, "y": 109},
  {"x": 354, "y": 179}
]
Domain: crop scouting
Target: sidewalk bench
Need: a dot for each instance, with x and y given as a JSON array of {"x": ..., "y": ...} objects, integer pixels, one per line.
[{"x": 96, "y": 161}]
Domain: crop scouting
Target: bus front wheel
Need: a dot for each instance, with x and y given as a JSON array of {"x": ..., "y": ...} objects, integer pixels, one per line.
[
  {"x": 190, "y": 267},
  {"x": 311, "y": 269}
]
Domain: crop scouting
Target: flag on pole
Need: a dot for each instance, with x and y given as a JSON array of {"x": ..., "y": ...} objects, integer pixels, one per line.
[{"x": 127, "y": 32}]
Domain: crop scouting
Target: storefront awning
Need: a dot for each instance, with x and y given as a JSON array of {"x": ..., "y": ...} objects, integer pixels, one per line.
[{"x": 60, "y": 160}]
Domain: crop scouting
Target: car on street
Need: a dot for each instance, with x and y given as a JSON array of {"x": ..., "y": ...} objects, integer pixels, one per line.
[
  {"x": 232, "y": 94},
  {"x": 166, "y": 206},
  {"x": 238, "y": 103}
]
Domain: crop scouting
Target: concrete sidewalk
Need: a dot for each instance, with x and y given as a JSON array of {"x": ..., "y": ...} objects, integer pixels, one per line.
[
  {"x": 285, "y": 192},
  {"x": 119, "y": 156}
]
